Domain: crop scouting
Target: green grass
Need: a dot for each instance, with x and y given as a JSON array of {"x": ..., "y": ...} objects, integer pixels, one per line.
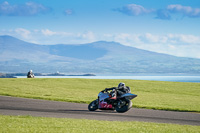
[
  {"x": 178, "y": 96},
  {"x": 29, "y": 124}
]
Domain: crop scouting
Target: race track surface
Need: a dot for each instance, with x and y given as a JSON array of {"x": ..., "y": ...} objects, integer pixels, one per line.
[{"x": 44, "y": 108}]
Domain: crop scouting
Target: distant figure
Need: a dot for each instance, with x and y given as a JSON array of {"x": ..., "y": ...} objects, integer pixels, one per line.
[{"x": 30, "y": 74}]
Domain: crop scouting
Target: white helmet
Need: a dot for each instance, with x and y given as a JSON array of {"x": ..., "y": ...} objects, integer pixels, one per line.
[
  {"x": 31, "y": 71},
  {"x": 121, "y": 85}
]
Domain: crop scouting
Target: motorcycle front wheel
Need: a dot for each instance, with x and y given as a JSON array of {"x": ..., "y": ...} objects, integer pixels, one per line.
[
  {"x": 124, "y": 108},
  {"x": 93, "y": 105}
]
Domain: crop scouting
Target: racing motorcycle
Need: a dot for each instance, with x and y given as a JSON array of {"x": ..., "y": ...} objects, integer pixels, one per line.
[{"x": 108, "y": 100}]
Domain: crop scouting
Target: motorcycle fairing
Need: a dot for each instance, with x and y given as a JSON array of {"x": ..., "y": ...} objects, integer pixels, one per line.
[{"x": 102, "y": 104}]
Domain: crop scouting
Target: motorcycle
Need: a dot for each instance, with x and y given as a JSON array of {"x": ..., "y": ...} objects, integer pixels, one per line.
[{"x": 108, "y": 100}]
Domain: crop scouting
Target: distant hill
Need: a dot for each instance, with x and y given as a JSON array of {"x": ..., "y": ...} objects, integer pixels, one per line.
[{"x": 98, "y": 57}]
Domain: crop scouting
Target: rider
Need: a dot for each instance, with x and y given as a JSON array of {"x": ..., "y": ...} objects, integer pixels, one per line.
[
  {"x": 121, "y": 89},
  {"x": 30, "y": 74}
]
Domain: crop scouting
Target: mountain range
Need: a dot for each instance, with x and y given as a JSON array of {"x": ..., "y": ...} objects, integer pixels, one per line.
[{"x": 97, "y": 57}]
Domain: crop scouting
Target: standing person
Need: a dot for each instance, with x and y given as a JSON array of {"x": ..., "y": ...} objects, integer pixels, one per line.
[{"x": 30, "y": 74}]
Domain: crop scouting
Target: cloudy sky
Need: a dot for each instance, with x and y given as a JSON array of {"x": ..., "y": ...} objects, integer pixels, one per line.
[{"x": 167, "y": 26}]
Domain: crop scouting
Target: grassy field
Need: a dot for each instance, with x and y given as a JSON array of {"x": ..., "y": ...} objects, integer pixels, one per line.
[
  {"x": 28, "y": 124},
  {"x": 151, "y": 94}
]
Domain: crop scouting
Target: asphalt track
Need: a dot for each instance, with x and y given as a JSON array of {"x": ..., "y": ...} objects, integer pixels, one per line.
[{"x": 44, "y": 108}]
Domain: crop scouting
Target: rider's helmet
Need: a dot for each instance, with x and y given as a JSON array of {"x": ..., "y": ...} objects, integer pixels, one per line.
[
  {"x": 121, "y": 85},
  {"x": 31, "y": 71}
]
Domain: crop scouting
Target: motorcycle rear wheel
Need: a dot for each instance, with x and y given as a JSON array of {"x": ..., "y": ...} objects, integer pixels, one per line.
[
  {"x": 124, "y": 108},
  {"x": 93, "y": 105}
]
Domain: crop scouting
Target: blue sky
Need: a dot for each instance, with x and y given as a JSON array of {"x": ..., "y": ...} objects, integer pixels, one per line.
[{"x": 167, "y": 26}]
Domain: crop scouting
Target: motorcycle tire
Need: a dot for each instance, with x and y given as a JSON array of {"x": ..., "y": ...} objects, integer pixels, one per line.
[
  {"x": 124, "y": 108},
  {"x": 91, "y": 106}
]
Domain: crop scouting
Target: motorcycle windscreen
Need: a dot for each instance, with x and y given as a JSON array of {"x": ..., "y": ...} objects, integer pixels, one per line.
[{"x": 103, "y": 96}]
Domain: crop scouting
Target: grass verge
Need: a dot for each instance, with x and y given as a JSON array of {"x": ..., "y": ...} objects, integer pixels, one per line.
[
  {"x": 29, "y": 124},
  {"x": 177, "y": 96}
]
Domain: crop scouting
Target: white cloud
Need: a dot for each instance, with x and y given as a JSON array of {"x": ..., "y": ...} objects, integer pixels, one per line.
[
  {"x": 27, "y": 9},
  {"x": 68, "y": 12},
  {"x": 133, "y": 10},
  {"x": 127, "y": 39},
  {"x": 164, "y": 14},
  {"x": 152, "y": 39},
  {"x": 183, "y": 39},
  {"x": 89, "y": 35},
  {"x": 190, "y": 39},
  {"x": 23, "y": 32},
  {"x": 178, "y": 9},
  {"x": 185, "y": 10},
  {"x": 48, "y": 32},
  {"x": 47, "y": 36},
  {"x": 174, "y": 44},
  {"x": 155, "y": 38}
]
